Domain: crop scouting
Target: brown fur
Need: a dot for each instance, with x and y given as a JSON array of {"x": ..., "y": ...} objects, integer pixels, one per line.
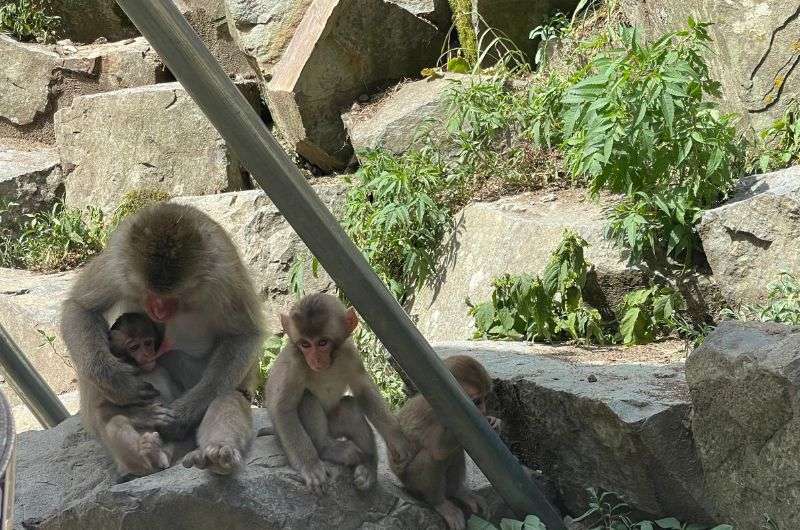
[
  {"x": 218, "y": 329},
  {"x": 313, "y": 418}
]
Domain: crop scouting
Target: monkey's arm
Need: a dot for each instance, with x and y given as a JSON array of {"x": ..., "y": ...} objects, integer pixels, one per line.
[
  {"x": 284, "y": 391},
  {"x": 439, "y": 442},
  {"x": 85, "y": 334},
  {"x": 375, "y": 409},
  {"x": 229, "y": 365}
]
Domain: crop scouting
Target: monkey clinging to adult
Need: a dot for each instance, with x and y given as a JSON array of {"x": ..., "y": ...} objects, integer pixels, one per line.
[
  {"x": 305, "y": 390},
  {"x": 175, "y": 264},
  {"x": 437, "y": 471}
]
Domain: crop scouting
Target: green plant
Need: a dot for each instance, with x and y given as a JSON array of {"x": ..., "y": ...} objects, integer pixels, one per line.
[
  {"x": 769, "y": 524},
  {"x": 547, "y": 308},
  {"x": 608, "y": 512},
  {"x": 28, "y": 20},
  {"x": 271, "y": 349},
  {"x": 135, "y": 200},
  {"x": 778, "y": 146},
  {"x": 376, "y": 361},
  {"x": 550, "y": 31},
  {"x": 783, "y": 303},
  {"x": 647, "y": 312},
  {"x": 638, "y": 121},
  {"x": 394, "y": 216},
  {"x": 462, "y": 21},
  {"x": 58, "y": 239},
  {"x": 531, "y": 522}
]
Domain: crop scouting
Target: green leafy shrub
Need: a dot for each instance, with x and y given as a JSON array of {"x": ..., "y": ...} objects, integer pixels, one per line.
[
  {"x": 783, "y": 303},
  {"x": 648, "y": 312},
  {"x": 59, "y": 239},
  {"x": 778, "y": 146},
  {"x": 135, "y": 200},
  {"x": 394, "y": 215},
  {"x": 545, "y": 309},
  {"x": 530, "y": 523},
  {"x": 607, "y": 512},
  {"x": 639, "y": 123},
  {"x": 28, "y": 20}
]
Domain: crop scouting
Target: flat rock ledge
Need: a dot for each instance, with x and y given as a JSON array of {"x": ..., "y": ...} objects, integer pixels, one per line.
[{"x": 65, "y": 481}]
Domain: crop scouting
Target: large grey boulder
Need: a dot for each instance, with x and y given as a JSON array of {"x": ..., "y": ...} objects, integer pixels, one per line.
[
  {"x": 403, "y": 116},
  {"x": 266, "y": 242},
  {"x": 627, "y": 432},
  {"x": 516, "y": 235},
  {"x": 36, "y": 80},
  {"x": 754, "y": 236},
  {"x": 87, "y": 20},
  {"x": 65, "y": 481},
  {"x": 745, "y": 387},
  {"x": 30, "y": 307},
  {"x": 31, "y": 179},
  {"x": 153, "y": 136},
  {"x": 341, "y": 50},
  {"x": 755, "y": 48}
]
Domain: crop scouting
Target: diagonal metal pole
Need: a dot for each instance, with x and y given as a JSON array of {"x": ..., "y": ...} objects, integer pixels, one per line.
[
  {"x": 193, "y": 65},
  {"x": 28, "y": 384}
]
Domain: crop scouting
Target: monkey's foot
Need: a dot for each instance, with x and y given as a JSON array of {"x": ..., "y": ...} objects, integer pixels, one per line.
[
  {"x": 221, "y": 459},
  {"x": 343, "y": 452},
  {"x": 452, "y": 515},
  {"x": 315, "y": 476},
  {"x": 152, "y": 452},
  {"x": 475, "y": 503},
  {"x": 364, "y": 477}
]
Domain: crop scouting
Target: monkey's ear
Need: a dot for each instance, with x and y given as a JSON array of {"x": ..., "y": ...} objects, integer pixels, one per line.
[
  {"x": 350, "y": 320},
  {"x": 285, "y": 321}
]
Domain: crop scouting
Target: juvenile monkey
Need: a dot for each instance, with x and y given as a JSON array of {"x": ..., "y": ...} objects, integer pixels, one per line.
[
  {"x": 136, "y": 449},
  {"x": 178, "y": 266},
  {"x": 305, "y": 390},
  {"x": 437, "y": 471}
]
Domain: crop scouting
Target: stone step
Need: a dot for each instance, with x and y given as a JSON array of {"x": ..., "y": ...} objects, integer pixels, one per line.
[{"x": 152, "y": 136}]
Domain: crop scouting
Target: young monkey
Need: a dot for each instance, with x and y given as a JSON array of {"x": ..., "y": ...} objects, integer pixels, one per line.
[
  {"x": 305, "y": 390},
  {"x": 437, "y": 471},
  {"x": 134, "y": 339}
]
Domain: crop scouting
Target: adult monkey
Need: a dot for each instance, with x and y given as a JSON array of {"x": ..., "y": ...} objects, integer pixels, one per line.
[{"x": 181, "y": 268}]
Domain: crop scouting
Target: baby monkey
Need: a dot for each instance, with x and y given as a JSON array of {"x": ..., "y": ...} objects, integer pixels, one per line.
[
  {"x": 305, "y": 396},
  {"x": 438, "y": 470},
  {"x": 136, "y": 446}
]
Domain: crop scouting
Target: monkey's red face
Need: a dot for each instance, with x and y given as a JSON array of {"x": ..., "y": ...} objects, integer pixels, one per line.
[
  {"x": 143, "y": 351},
  {"x": 477, "y": 397},
  {"x": 160, "y": 308},
  {"x": 317, "y": 353}
]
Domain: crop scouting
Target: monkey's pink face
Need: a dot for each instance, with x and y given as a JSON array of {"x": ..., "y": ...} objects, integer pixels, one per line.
[
  {"x": 317, "y": 353},
  {"x": 160, "y": 308},
  {"x": 477, "y": 397}
]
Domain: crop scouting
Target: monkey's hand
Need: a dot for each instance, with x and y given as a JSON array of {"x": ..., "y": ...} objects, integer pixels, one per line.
[
  {"x": 495, "y": 423},
  {"x": 315, "y": 476},
  {"x": 184, "y": 416},
  {"x": 121, "y": 386},
  {"x": 150, "y": 417}
]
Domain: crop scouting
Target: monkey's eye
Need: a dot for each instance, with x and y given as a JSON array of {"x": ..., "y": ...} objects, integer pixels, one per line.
[
  {"x": 478, "y": 401},
  {"x": 322, "y": 342},
  {"x": 305, "y": 344},
  {"x": 133, "y": 347}
]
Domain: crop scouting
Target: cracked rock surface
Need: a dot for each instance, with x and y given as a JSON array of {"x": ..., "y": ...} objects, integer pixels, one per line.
[
  {"x": 745, "y": 387},
  {"x": 754, "y": 236}
]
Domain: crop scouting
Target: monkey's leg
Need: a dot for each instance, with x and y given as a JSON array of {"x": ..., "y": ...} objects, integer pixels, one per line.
[
  {"x": 315, "y": 421},
  {"x": 347, "y": 420},
  {"x": 135, "y": 453},
  {"x": 456, "y": 488},
  {"x": 224, "y": 436},
  {"x": 426, "y": 477}
]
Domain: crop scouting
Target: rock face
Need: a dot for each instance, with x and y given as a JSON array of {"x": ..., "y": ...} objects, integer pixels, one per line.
[
  {"x": 755, "y": 48},
  {"x": 526, "y": 229},
  {"x": 402, "y": 116},
  {"x": 755, "y": 235},
  {"x": 745, "y": 387},
  {"x": 87, "y": 20},
  {"x": 516, "y": 18},
  {"x": 209, "y": 20},
  {"x": 342, "y": 49},
  {"x": 31, "y": 179},
  {"x": 65, "y": 481},
  {"x": 37, "y": 80},
  {"x": 263, "y": 28},
  {"x": 267, "y": 243},
  {"x": 30, "y": 307},
  {"x": 152, "y": 136},
  {"x": 627, "y": 432}
]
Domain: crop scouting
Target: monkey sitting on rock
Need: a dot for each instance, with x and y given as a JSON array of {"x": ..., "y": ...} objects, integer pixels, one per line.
[{"x": 437, "y": 472}]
